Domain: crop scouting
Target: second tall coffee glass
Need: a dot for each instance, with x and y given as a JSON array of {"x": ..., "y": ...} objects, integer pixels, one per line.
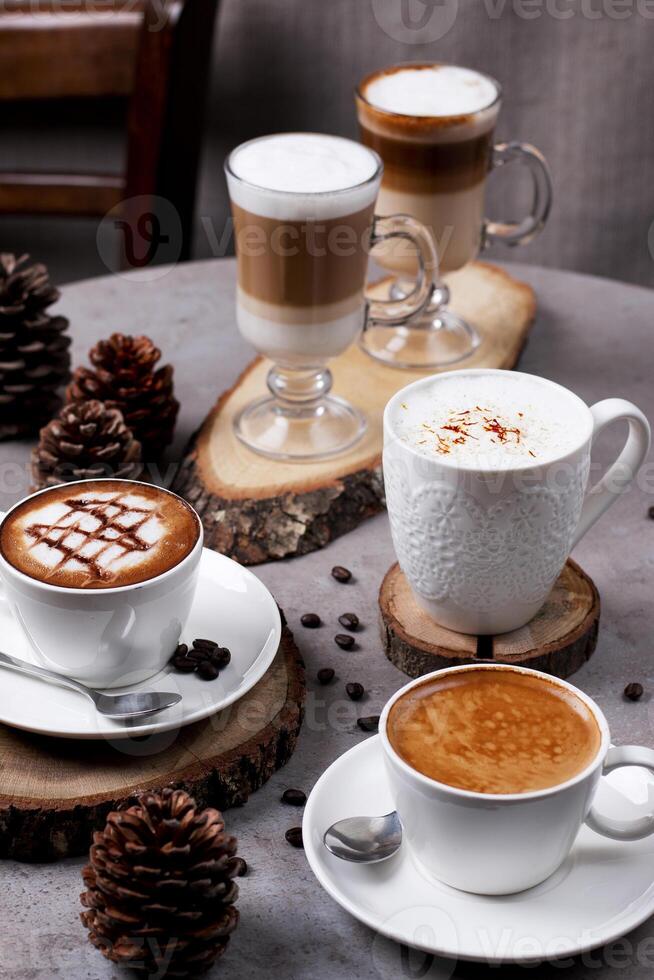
[
  {"x": 433, "y": 125},
  {"x": 303, "y": 208}
]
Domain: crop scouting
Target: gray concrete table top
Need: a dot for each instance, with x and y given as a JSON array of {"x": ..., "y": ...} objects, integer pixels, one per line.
[{"x": 594, "y": 336}]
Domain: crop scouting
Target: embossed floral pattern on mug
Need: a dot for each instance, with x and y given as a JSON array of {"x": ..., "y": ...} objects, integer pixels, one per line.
[{"x": 452, "y": 546}]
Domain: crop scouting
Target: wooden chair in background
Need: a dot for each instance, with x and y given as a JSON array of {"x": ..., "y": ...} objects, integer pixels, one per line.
[{"x": 153, "y": 53}]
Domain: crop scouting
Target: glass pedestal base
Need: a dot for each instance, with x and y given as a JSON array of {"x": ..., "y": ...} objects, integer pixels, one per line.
[
  {"x": 300, "y": 433},
  {"x": 435, "y": 337}
]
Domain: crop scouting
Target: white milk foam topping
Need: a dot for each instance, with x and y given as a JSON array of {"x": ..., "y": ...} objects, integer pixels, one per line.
[
  {"x": 107, "y": 531},
  {"x": 444, "y": 90},
  {"x": 489, "y": 422},
  {"x": 286, "y": 172}
]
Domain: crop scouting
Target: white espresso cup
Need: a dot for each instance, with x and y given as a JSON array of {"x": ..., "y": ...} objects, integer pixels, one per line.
[
  {"x": 105, "y": 637},
  {"x": 482, "y": 546},
  {"x": 496, "y": 844}
]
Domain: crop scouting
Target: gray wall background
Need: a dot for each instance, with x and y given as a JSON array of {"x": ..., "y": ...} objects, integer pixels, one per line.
[{"x": 578, "y": 78}]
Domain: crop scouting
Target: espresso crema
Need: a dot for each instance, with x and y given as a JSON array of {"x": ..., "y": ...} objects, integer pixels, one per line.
[
  {"x": 432, "y": 125},
  {"x": 99, "y": 534},
  {"x": 494, "y": 731},
  {"x": 303, "y": 206}
]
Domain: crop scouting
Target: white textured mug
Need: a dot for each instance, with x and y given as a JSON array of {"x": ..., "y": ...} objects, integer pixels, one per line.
[
  {"x": 104, "y": 637},
  {"x": 482, "y": 549},
  {"x": 496, "y": 844}
]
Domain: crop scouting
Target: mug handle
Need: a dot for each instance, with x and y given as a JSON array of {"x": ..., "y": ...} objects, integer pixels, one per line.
[
  {"x": 623, "y": 471},
  {"x": 521, "y": 232},
  {"x": 618, "y": 757},
  {"x": 393, "y": 312}
]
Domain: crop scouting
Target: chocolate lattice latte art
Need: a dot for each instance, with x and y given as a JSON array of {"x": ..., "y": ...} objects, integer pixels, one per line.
[{"x": 99, "y": 534}]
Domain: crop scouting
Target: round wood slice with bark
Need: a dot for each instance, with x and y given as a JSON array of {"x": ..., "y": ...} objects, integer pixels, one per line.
[
  {"x": 55, "y": 792},
  {"x": 255, "y": 510},
  {"x": 558, "y": 641}
]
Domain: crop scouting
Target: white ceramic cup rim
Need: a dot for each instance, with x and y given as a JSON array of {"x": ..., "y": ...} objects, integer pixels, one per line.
[
  {"x": 465, "y": 794},
  {"x": 405, "y": 393},
  {"x": 114, "y": 590}
]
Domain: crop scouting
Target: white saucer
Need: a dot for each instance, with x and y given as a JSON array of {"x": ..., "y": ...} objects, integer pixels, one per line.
[
  {"x": 231, "y": 606},
  {"x": 603, "y": 890}
]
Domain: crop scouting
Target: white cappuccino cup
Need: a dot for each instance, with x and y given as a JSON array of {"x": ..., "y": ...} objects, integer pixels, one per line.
[
  {"x": 107, "y": 636},
  {"x": 486, "y": 475},
  {"x": 501, "y": 843}
]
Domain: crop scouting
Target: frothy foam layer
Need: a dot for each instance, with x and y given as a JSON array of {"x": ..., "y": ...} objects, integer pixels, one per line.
[
  {"x": 438, "y": 90},
  {"x": 286, "y": 172},
  {"x": 100, "y": 534},
  {"x": 490, "y": 421},
  {"x": 494, "y": 731}
]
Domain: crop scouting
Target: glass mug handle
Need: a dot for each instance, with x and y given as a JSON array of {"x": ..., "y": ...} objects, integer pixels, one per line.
[
  {"x": 617, "y": 757},
  {"x": 393, "y": 312},
  {"x": 623, "y": 471},
  {"x": 520, "y": 232}
]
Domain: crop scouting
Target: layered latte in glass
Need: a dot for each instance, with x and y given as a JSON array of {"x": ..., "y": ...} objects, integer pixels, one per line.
[
  {"x": 432, "y": 125},
  {"x": 303, "y": 207}
]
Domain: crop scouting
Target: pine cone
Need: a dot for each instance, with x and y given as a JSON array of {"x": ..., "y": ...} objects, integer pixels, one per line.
[
  {"x": 160, "y": 891},
  {"x": 85, "y": 441},
  {"x": 34, "y": 350},
  {"x": 125, "y": 378}
]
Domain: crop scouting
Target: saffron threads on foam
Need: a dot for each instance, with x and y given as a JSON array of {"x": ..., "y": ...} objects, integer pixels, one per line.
[{"x": 457, "y": 430}]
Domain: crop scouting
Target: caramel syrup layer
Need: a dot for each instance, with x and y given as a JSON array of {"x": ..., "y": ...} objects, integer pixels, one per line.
[
  {"x": 428, "y": 167},
  {"x": 302, "y": 263},
  {"x": 494, "y": 731}
]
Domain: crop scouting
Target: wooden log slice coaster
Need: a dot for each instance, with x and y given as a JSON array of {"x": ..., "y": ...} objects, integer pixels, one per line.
[
  {"x": 254, "y": 509},
  {"x": 55, "y": 792},
  {"x": 559, "y": 640}
]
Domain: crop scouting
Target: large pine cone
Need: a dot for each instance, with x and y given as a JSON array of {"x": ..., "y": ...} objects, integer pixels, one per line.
[
  {"x": 125, "y": 378},
  {"x": 34, "y": 348},
  {"x": 160, "y": 891},
  {"x": 85, "y": 441}
]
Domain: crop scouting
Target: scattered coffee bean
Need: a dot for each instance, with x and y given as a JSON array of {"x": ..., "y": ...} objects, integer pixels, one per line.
[
  {"x": 350, "y": 621},
  {"x": 344, "y": 641},
  {"x": 195, "y": 656},
  {"x": 239, "y": 867},
  {"x": 354, "y": 691},
  {"x": 182, "y": 650},
  {"x": 634, "y": 691},
  {"x": 311, "y": 621},
  {"x": 207, "y": 671},
  {"x": 183, "y": 664},
  {"x": 294, "y": 797},
  {"x": 294, "y": 837},
  {"x": 325, "y": 675},
  {"x": 368, "y": 724},
  {"x": 220, "y": 657},
  {"x": 205, "y": 644},
  {"x": 341, "y": 574},
  {"x": 650, "y": 513}
]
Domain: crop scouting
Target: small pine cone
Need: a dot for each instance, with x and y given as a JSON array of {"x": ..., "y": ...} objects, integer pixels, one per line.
[
  {"x": 84, "y": 442},
  {"x": 124, "y": 376},
  {"x": 34, "y": 348},
  {"x": 160, "y": 895}
]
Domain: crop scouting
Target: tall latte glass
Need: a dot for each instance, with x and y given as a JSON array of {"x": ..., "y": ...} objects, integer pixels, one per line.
[
  {"x": 303, "y": 207},
  {"x": 433, "y": 125}
]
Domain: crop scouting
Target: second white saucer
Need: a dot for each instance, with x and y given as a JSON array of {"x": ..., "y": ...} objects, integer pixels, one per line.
[
  {"x": 231, "y": 606},
  {"x": 603, "y": 890}
]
